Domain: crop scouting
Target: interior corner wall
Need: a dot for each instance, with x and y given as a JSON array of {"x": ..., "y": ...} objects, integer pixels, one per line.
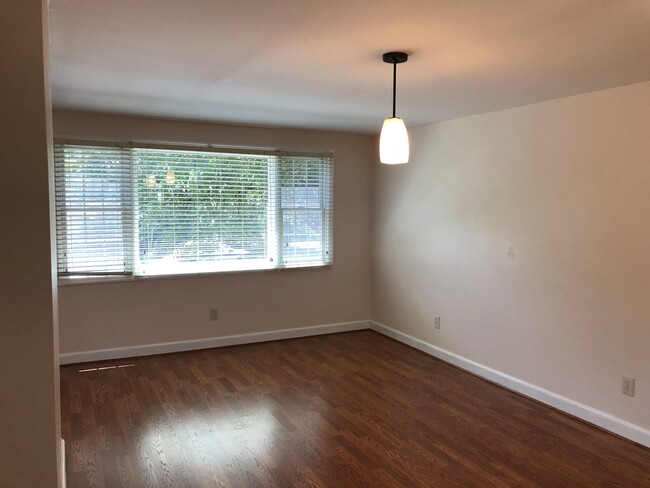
[
  {"x": 29, "y": 381},
  {"x": 152, "y": 311},
  {"x": 527, "y": 231}
]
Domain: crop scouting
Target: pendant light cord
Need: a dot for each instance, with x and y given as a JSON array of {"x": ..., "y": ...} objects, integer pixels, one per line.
[{"x": 394, "y": 85}]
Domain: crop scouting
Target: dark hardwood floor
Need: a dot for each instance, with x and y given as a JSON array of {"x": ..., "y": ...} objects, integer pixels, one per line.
[{"x": 343, "y": 410}]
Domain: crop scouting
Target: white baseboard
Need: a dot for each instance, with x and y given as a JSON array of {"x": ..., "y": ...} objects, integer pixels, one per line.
[
  {"x": 208, "y": 343},
  {"x": 602, "y": 419},
  {"x": 64, "y": 480}
]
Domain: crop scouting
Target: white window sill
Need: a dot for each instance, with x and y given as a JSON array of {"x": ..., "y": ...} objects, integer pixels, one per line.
[{"x": 89, "y": 280}]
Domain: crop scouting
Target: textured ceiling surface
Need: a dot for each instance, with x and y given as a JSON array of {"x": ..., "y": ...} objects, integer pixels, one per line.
[{"x": 302, "y": 63}]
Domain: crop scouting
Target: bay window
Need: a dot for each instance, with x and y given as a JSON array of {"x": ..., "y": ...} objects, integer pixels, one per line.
[{"x": 144, "y": 210}]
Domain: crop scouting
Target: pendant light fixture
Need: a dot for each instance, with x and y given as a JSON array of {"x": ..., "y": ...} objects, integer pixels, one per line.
[{"x": 394, "y": 140}]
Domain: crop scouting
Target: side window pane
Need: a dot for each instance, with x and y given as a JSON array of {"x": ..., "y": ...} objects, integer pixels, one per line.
[
  {"x": 93, "y": 210},
  {"x": 305, "y": 188}
]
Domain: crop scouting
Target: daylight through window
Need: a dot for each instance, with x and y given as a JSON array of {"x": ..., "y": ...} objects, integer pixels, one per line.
[{"x": 123, "y": 210}]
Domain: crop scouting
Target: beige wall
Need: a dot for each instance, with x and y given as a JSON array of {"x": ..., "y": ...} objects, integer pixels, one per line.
[
  {"x": 527, "y": 231},
  {"x": 29, "y": 382},
  {"x": 101, "y": 316}
]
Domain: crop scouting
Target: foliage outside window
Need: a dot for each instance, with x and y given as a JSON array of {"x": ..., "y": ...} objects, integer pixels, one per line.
[{"x": 165, "y": 210}]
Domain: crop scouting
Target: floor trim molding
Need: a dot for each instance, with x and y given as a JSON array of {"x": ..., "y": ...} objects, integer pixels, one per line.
[
  {"x": 589, "y": 414},
  {"x": 64, "y": 478},
  {"x": 208, "y": 343}
]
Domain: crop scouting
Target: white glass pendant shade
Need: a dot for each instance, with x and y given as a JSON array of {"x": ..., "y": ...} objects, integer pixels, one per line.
[{"x": 394, "y": 142}]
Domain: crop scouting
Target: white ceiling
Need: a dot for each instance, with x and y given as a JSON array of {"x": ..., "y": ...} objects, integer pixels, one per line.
[{"x": 317, "y": 64}]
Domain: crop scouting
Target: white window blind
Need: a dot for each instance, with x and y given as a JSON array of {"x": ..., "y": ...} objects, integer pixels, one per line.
[
  {"x": 305, "y": 211},
  {"x": 94, "y": 210},
  {"x": 169, "y": 210}
]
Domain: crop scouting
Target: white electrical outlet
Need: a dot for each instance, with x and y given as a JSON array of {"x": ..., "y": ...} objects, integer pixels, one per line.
[
  {"x": 214, "y": 314},
  {"x": 628, "y": 386},
  {"x": 436, "y": 322}
]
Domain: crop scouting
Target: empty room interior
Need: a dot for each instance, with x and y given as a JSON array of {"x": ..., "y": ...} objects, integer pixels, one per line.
[{"x": 325, "y": 244}]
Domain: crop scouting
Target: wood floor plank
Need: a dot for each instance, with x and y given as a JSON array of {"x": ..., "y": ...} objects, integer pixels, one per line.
[{"x": 344, "y": 410}]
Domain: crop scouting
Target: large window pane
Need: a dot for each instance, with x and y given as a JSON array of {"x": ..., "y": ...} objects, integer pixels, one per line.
[{"x": 199, "y": 207}]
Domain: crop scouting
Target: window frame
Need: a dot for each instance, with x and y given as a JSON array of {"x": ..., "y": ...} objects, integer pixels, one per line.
[{"x": 274, "y": 207}]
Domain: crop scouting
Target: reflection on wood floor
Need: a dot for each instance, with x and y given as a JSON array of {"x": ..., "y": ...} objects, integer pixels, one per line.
[{"x": 344, "y": 410}]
